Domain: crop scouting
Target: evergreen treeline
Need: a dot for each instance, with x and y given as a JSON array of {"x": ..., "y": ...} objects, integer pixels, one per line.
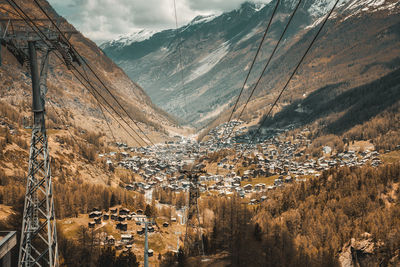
[
  {"x": 307, "y": 224},
  {"x": 74, "y": 197},
  {"x": 369, "y": 111}
]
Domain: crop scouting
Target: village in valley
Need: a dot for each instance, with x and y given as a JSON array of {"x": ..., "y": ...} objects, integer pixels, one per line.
[
  {"x": 161, "y": 166},
  {"x": 273, "y": 162}
]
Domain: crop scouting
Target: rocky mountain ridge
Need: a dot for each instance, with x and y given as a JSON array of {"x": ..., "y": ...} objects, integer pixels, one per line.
[
  {"x": 69, "y": 96},
  {"x": 217, "y": 50}
]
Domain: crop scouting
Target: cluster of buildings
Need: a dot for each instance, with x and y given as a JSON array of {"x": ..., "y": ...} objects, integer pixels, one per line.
[
  {"x": 162, "y": 165},
  {"x": 120, "y": 218}
]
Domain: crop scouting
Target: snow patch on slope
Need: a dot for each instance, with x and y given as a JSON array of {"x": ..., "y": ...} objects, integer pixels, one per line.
[
  {"x": 213, "y": 113},
  {"x": 358, "y": 6},
  {"x": 364, "y": 3},
  {"x": 253, "y": 32},
  {"x": 259, "y": 6},
  {"x": 130, "y": 38},
  {"x": 209, "y": 62},
  {"x": 202, "y": 19},
  {"x": 320, "y": 8}
]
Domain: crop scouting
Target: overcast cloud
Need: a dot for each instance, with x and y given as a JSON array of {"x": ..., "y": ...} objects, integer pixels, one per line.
[{"x": 103, "y": 20}]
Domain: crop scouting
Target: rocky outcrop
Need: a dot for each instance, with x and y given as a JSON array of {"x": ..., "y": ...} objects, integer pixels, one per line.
[{"x": 360, "y": 252}]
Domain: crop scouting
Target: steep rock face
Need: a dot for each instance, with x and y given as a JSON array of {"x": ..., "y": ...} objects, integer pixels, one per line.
[
  {"x": 68, "y": 94},
  {"x": 217, "y": 51},
  {"x": 360, "y": 252}
]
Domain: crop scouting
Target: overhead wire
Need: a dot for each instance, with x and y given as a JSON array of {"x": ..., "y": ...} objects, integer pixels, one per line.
[
  {"x": 252, "y": 65},
  {"x": 105, "y": 108},
  {"x": 10, "y": 11},
  {"x": 185, "y": 102},
  {"x": 291, "y": 77},
  {"x": 94, "y": 73},
  {"x": 266, "y": 66},
  {"x": 39, "y": 32},
  {"x": 180, "y": 55},
  {"x": 102, "y": 112},
  {"x": 286, "y": 84}
]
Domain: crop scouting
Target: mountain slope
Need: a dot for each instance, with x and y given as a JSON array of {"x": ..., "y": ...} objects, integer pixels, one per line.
[
  {"x": 67, "y": 94},
  {"x": 217, "y": 51}
]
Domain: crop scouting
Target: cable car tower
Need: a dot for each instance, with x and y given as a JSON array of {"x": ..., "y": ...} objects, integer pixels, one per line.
[
  {"x": 38, "y": 244},
  {"x": 193, "y": 241}
]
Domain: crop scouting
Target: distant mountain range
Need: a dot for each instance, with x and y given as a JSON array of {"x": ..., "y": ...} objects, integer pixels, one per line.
[{"x": 217, "y": 52}]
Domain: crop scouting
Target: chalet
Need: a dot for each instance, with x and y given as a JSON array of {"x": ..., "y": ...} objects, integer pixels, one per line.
[
  {"x": 106, "y": 216},
  {"x": 91, "y": 224},
  {"x": 259, "y": 187},
  {"x": 124, "y": 211},
  {"x": 141, "y": 231},
  {"x": 114, "y": 210},
  {"x": 97, "y": 220},
  {"x": 173, "y": 219},
  {"x": 150, "y": 252},
  {"x": 122, "y": 226},
  {"x": 248, "y": 187},
  {"x": 150, "y": 229},
  {"x": 95, "y": 214},
  {"x": 139, "y": 212},
  {"x": 127, "y": 238},
  {"x": 139, "y": 218},
  {"x": 121, "y": 218},
  {"x": 278, "y": 182},
  {"x": 288, "y": 179},
  {"x": 254, "y": 201},
  {"x": 130, "y": 187},
  {"x": 118, "y": 245},
  {"x": 165, "y": 224}
]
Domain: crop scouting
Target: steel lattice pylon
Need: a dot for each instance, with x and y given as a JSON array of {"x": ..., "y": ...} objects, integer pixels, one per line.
[
  {"x": 38, "y": 238},
  {"x": 38, "y": 244},
  {"x": 193, "y": 225}
]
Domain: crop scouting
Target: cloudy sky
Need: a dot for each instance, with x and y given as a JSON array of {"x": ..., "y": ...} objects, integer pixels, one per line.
[{"x": 103, "y": 20}]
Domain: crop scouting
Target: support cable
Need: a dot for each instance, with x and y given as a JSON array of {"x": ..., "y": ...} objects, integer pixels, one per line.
[
  {"x": 252, "y": 65},
  {"x": 102, "y": 112},
  {"x": 185, "y": 100},
  {"x": 295, "y": 70},
  {"x": 266, "y": 66},
  {"x": 287, "y": 83},
  {"x": 91, "y": 69},
  {"x": 180, "y": 55},
  {"x": 102, "y": 105},
  {"x": 41, "y": 34}
]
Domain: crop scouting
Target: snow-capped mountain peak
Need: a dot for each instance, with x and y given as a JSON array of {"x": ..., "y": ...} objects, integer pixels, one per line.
[
  {"x": 202, "y": 19},
  {"x": 127, "y": 39}
]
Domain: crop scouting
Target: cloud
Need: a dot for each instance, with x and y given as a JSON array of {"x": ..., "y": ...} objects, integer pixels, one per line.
[{"x": 103, "y": 20}]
